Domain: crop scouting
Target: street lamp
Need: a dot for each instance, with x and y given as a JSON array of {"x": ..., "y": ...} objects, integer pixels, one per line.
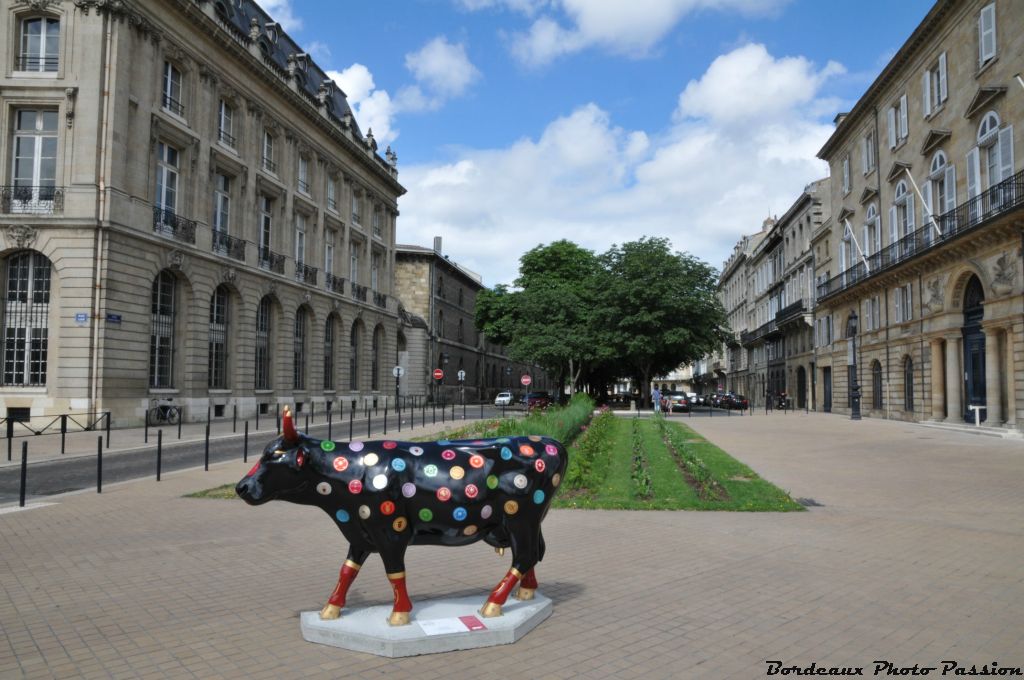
[{"x": 851, "y": 360}]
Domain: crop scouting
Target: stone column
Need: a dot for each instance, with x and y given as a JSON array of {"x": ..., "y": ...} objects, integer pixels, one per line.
[
  {"x": 954, "y": 380},
  {"x": 993, "y": 403},
  {"x": 1011, "y": 381},
  {"x": 938, "y": 395}
]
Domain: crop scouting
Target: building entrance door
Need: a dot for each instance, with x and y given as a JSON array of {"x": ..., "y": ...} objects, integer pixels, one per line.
[
  {"x": 801, "y": 387},
  {"x": 974, "y": 349},
  {"x": 826, "y": 381}
]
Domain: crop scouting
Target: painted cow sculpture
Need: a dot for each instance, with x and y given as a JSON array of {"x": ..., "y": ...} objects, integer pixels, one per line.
[{"x": 387, "y": 495}]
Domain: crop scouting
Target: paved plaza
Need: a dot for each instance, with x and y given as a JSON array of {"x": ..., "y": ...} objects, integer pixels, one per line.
[{"x": 912, "y": 551}]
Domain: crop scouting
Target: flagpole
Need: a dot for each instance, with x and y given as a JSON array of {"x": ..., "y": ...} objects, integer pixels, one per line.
[
  {"x": 867, "y": 267},
  {"x": 931, "y": 216}
]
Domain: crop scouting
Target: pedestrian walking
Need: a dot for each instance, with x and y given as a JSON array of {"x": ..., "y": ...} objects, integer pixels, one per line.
[{"x": 656, "y": 398}]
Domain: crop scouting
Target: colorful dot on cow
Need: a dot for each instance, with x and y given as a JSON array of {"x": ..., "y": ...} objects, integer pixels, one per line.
[
  {"x": 459, "y": 514},
  {"x": 527, "y": 450},
  {"x": 400, "y": 524},
  {"x": 485, "y": 512},
  {"x": 538, "y": 465},
  {"x": 341, "y": 516},
  {"x": 389, "y": 445},
  {"x": 476, "y": 461},
  {"x": 470, "y": 530},
  {"x": 416, "y": 450},
  {"x": 457, "y": 472},
  {"x": 556, "y": 480},
  {"x": 327, "y": 445},
  {"x": 471, "y": 491},
  {"x": 380, "y": 482},
  {"x": 444, "y": 494},
  {"x": 479, "y": 442},
  {"x": 430, "y": 470},
  {"x": 364, "y": 511},
  {"x": 387, "y": 508},
  {"x": 511, "y": 507},
  {"x": 355, "y": 446},
  {"x": 492, "y": 482},
  {"x": 448, "y": 454},
  {"x": 341, "y": 463},
  {"x": 520, "y": 481},
  {"x": 503, "y": 440},
  {"x": 323, "y": 488},
  {"x": 533, "y": 438},
  {"x": 370, "y": 459},
  {"x": 551, "y": 449},
  {"x": 443, "y": 442},
  {"x": 538, "y": 496},
  {"x": 506, "y": 453},
  {"x": 408, "y": 489},
  {"x": 426, "y": 515},
  {"x": 355, "y": 486},
  {"x": 398, "y": 465}
]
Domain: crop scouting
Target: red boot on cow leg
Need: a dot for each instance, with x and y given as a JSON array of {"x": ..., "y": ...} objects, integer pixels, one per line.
[
  {"x": 527, "y": 587},
  {"x": 400, "y": 612},
  {"x": 336, "y": 601},
  {"x": 500, "y": 593}
]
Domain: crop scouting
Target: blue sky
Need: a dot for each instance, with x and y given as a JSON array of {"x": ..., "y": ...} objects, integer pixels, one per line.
[{"x": 518, "y": 122}]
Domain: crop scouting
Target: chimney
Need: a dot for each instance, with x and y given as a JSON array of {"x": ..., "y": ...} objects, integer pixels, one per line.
[{"x": 437, "y": 245}]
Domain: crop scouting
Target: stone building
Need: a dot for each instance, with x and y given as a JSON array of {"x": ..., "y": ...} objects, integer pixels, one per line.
[
  {"x": 734, "y": 292},
  {"x": 189, "y": 212},
  {"x": 438, "y": 300},
  {"x": 763, "y": 342},
  {"x": 925, "y": 246}
]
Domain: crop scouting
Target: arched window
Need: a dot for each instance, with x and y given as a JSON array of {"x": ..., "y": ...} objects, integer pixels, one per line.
[
  {"x": 26, "y": 319},
  {"x": 161, "y": 337},
  {"x": 329, "y": 354},
  {"x": 939, "y": 192},
  {"x": 872, "y": 232},
  {"x": 988, "y": 127},
  {"x": 40, "y": 44},
  {"x": 217, "y": 362},
  {"x": 378, "y": 342},
  {"x": 901, "y": 219},
  {"x": 353, "y": 358},
  {"x": 263, "y": 329},
  {"x": 908, "y": 384},
  {"x": 299, "y": 376},
  {"x": 876, "y": 385}
]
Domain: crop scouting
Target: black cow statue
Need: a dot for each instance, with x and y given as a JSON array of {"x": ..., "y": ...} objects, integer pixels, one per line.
[{"x": 386, "y": 495}]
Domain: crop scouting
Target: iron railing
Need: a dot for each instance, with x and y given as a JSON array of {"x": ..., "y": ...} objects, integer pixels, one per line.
[
  {"x": 33, "y": 62},
  {"x": 305, "y": 274},
  {"x": 791, "y": 312},
  {"x": 303, "y": 186},
  {"x": 762, "y": 331},
  {"x": 380, "y": 299},
  {"x": 271, "y": 261},
  {"x": 226, "y": 137},
  {"x": 32, "y": 200},
  {"x": 269, "y": 165},
  {"x": 998, "y": 200},
  {"x": 229, "y": 246},
  {"x": 173, "y": 105},
  {"x": 169, "y": 224},
  {"x": 358, "y": 292},
  {"x": 335, "y": 284}
]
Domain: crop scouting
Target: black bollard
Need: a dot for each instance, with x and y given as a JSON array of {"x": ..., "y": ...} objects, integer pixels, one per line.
[
  {"x": 351, "y": 416},
  {"x": 433, "y": 413},
  {"x": 10, "y": 436},
  {"x": 312, "y": 412},
  {"x": 257, "y": 417},
  {"x": 234, "y": 418},
  {"x": 24, "y": 473},
  {"x": 385, "y": 417},
  {"x": 108, "y": 430},
  {"x": 307, "y": 422},
  {"x": 278, "y": 415},
  {"x": 367, "y": 421},
  {"x": 99, "y": 465},
  {"x": 206, "y": 450},
  {"x": 180, "y": 414},
  {"x": 63, "y": 431},
  {"x": 159, "y": 451},
  {"x": 245, "y": 444},
  {"x": 330, "y": 419},
  {"x": 145, "y": 429}
]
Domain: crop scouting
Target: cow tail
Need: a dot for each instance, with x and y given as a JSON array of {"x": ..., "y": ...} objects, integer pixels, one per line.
[{"x": 540, "y": 545}]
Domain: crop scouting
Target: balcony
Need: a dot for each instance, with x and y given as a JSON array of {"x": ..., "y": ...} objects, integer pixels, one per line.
[
  {"x": 173, "y": 105},
  {"x": 358, "y": 292},
  {"x": 226, "y": 137},
  {"x": 792, "y": 313},
  {"x": 1002, "y": 198},
  {"x": 36, "y": 63},
  {"x": 31, "y": 200},
  {"x": 271, "y": 261},
  {"x": 764, "y": 331},
  {"x": 305, "y": 274},
  {"x": 269, "y": 165},
  {"x": 303, "y": 186},
  {"x": 167, "y": 223},
  {"x": 380, "y": 299},
  {"x": 228, "y": 246},
  {"x": 335, "y": 284}
]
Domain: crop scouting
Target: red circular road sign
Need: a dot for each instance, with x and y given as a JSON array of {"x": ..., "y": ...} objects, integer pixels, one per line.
[
  {"x": 526, "y": 380},
  {"x": 438, "y": 374}
]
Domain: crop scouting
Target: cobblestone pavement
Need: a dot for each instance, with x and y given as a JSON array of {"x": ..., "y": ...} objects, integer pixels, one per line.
[{"x": 914, "y": 556}]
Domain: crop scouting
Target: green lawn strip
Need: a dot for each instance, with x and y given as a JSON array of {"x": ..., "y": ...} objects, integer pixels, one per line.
[
  {"x": 226, "y": 491},
  {"x": 746, "y": 489},
  {"x": 667, "y": 481}
]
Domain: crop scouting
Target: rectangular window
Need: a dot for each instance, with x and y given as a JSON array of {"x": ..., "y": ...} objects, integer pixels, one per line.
[
  {"x": 903, "y": 303},
  {"x": 300, "y": 239},
  {"x": 329, "y": 355},
  {"x": 987, "y": 34},
  {"x": 353, "y": 269},
  {"x": 897, "y": 122},
  {"x": 266, "y": 224},
  {"x": 218, "y": 347},
  {"x": 303, "y": 180},
  {"x": 867, "y": 151},
  {"x": 846, "y": 174},
  {"x": 332, "y": 194},
  {"x": 374, "y": 270},
  {"x": 171, "y": 93},
  {"x": 329, "y": 258},
  {"x": 377, "y": 223},
  {"x": 40, "y": 45},
  {"x": 263, "y": 345},
  {"x": 225, "y": 124},
  {"x": 934, "y": 85},
  {"x": 355, "y": 208},
  {"x": 161, "y": 337},
  {"x": 34, "y": 161},
  {"x": 221, "y": 203},
  {"x": 166, "y": 183},
  {"x": 268, "y": 152},
  {"x": 26, "y": 319}
]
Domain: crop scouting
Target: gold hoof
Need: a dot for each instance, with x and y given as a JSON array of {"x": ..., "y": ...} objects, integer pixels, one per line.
[
  {"x": 329, "y": 612},
  {"x": 500, "y": 552},
  {"x": 490, "y": 610},
  {"x": 399, "y": 619},
  {"x": 524, "y": 594}
]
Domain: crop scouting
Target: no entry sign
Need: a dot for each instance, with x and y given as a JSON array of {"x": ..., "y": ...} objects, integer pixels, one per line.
[
  {"x": 526, "y": 380},
  {"x": 438, "y": 374}
]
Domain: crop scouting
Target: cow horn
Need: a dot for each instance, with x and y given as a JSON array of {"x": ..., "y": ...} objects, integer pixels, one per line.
[{"x": 288, "y": 427}]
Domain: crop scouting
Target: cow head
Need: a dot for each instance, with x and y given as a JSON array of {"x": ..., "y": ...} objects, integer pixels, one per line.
[{"x": 283, "y": 470}]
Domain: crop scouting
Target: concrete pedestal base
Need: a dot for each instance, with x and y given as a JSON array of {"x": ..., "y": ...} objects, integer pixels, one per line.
[{"x": 367, "y": 630}]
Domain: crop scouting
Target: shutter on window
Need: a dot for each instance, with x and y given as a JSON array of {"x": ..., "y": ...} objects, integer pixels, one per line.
[
  {"x": 842, "y": 255},
  {"x": 987, "y": 34},
  {"x": 908, "y": 301},
  {"x": 926, "y": 204},
  {"x": 892, "y": 127},
  {"x": 973, "y": 174},
  {"x": 878, "y": 234},
  {"x": 926, "y": 90},
  {"x": 950, "y": 189},
  {"x": 942, "y": 77},
  {"x": 864, "y": 154},
  {"x": 910, "y": 216},
  {"x": 893, "y": 226},
  {"x": 1006, "y": 154},
  {"x": 865, "y": 243},
  {"x": 904, "y": 126},
  {"x": 899, "y": 305}
]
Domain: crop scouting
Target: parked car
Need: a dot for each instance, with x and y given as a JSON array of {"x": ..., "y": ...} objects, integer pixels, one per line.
[
  {"x": 503, "y": 399},
  {"x": 678, "y": 401},
  {"x": 738, "y": 401},
  {"x": 537, "y": 400}
]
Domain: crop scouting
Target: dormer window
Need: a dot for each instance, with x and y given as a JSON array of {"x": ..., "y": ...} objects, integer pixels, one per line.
[
  {"x": 40, "y": 45},
  {"x": 171, "y": 93}
]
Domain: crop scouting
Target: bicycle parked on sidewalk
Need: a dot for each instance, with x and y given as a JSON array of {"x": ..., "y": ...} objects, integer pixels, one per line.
[{"x": 163, "y": 411}]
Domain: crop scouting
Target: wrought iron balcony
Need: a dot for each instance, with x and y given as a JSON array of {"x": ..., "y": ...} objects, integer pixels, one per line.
[
  {"x": 769, "y": 329},
  {"x": 271, "y": 261},
  {"x": 173, "y": 105},
  {"x": 228, "y": 246},
  {"x": 303, "y": 186},
  {"x": 34, "y": 62},
  {"x": 998, "y": 200},
  {"x": 31, "y": 200},
  {"x": 358, "y": 292},
  {"x": 380, "y": 299},
  {"x": 226, "y": 137},
  {"x": 305, "y": 274},
  {"x": 335, "y": 284},
  {"x": 169, "y": 224},
  {"x": 269, "y": 165},
  {"x": 790, "y": 313}
]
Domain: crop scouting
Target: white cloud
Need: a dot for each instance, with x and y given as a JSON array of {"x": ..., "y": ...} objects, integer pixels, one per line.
[
  {"x": 283, "y": 13},
  {"x": 702, "y": 181},
  {"x": 527, "y": 7},
  {"x": 372, "y": 108},
  {"x": 319, "y": 50},
  {"x": 442, "y": 67},
  {"x": 630, "y": 28}
]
